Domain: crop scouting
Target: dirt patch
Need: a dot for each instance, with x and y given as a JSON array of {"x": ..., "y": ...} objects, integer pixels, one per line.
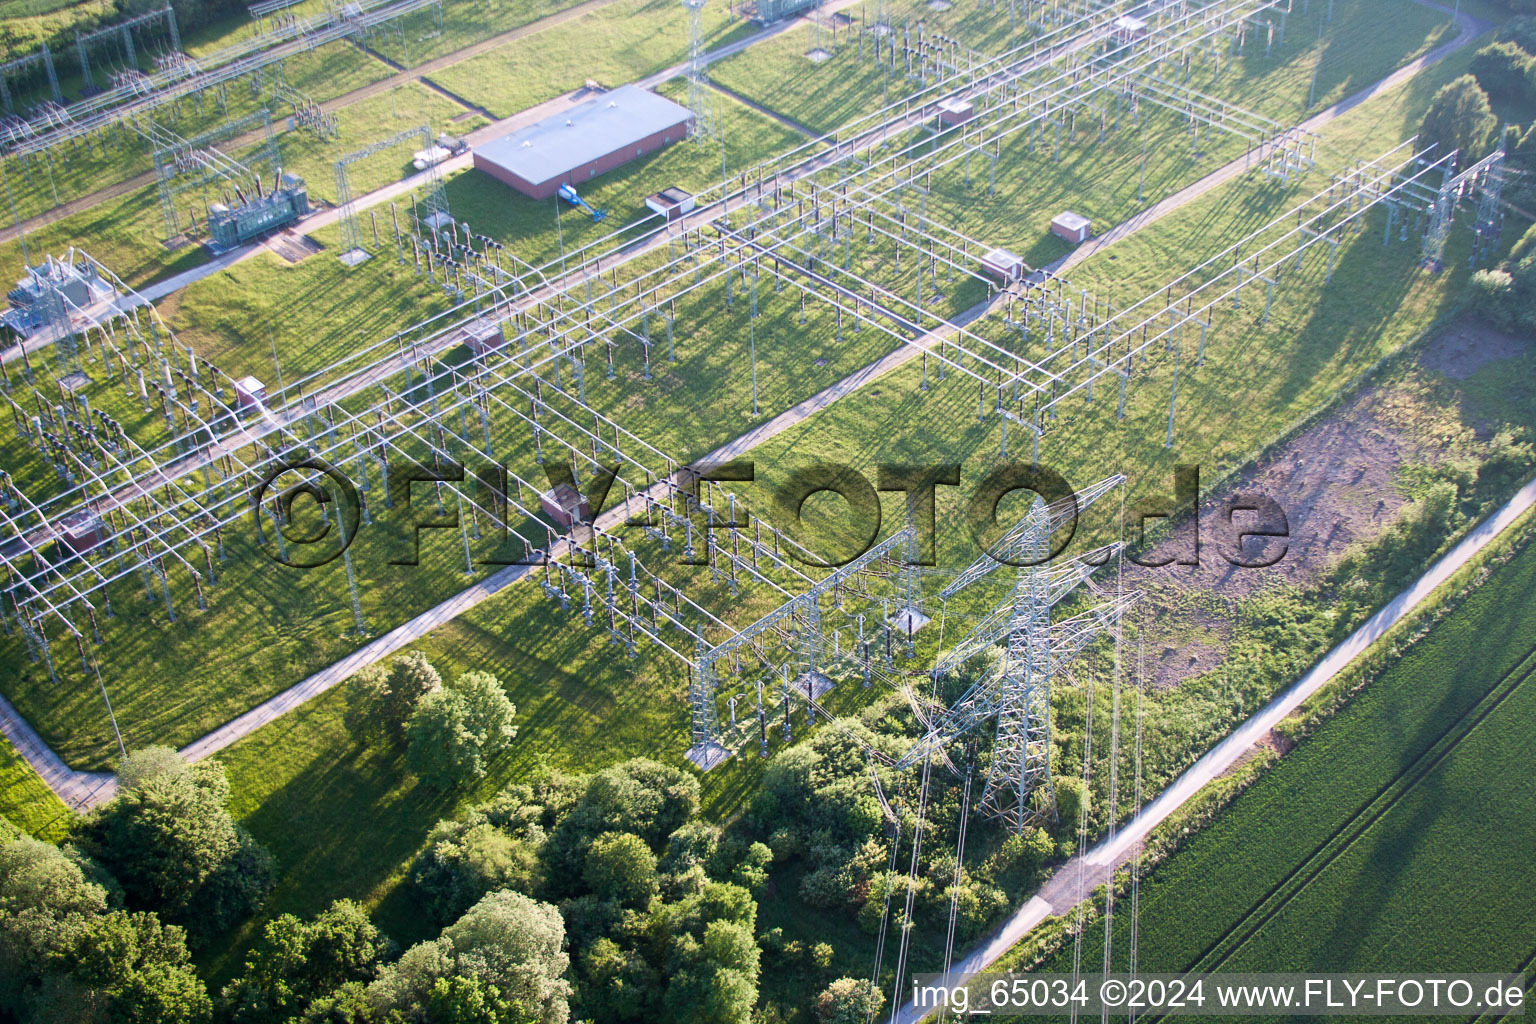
[
  {"x": 292, "y": 246},
  {"x": 1172, "y": 665},
  {"x": 1279, "y": 744},
  {"x": 1469, "y": 345},
  {"x": 1335, "y": 485},
  {"x": 817, "y": 55},
  {"x": 1269, "y": 741}
]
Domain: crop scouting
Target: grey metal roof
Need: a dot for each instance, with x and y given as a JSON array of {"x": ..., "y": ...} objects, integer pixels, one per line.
[{"x": 560, "y": 143}]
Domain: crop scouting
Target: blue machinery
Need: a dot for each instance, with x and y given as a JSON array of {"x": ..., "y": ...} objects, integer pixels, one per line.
[{"x": 568, "y": 193}]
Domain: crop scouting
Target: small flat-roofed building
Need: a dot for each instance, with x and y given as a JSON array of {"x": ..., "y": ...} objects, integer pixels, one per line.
[
  {"x": 1129, "y": 29},
  {"x": 565, "y": 506},
  {"x": 1003, "y": 265},
  {"x": 81, "y": 532},
  {"x": 955, "y": 111},
  {"x": 670, "y": 202},
  {"x": 250, "y": 393},
  {"x": 591, "y": 138},
  {"x": 1073, "y": 227},
  {"x": 483, "y": 335}
]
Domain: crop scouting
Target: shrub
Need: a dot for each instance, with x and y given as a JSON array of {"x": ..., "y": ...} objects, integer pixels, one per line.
[
  {"x": 785, "y": 843},
  {"x": 1071, "y": 800},
  {"x": 823, "y": 887},
  {"x": 1025, "y": 852},
  {"x": 848, "y": 1001},
  {"x": 1459, "y": 118},
  {"x": 455, "y": 732},
  {"x": 1504, "y": 71},
  {"x": 384, "y": 699}
]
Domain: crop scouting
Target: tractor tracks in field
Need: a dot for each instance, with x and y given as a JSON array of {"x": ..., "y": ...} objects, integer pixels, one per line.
[
  {"x": 1357, "y": 825},
  {"x": 1523, "y": 968}
]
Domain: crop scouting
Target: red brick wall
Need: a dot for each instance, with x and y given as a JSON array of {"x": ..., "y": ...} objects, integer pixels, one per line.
[{"x": 581, "y": 175}]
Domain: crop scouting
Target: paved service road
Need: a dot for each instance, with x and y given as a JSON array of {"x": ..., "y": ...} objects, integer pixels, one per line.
[
  {"x": 1077, "y": 879},
  {"x": 85, "y": 788}
]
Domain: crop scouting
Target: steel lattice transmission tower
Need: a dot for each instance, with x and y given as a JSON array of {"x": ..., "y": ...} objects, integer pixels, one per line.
[
  {"x": 1015, "y": 690},
  {"x": 698, "y": 93}
]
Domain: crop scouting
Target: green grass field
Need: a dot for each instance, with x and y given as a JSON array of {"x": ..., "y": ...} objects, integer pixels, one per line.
[
  {"x": 127, "y": 234},
  {"x": 572, "y": 690},
  {"x": 267, "y": 628},
  {"x": 527, "y": 227},
  {"x": 370, "y": 120},
  {"x": 617, "y": 43},
  {"x": 417, "y": 37},
  {"x": 77, "y": 169},
  {"x": 1360, "y": 49},
  {"x": 26, "y": 801},
  {"x": 1391, "y": 839},
  {"x": 703, "y": 400}
]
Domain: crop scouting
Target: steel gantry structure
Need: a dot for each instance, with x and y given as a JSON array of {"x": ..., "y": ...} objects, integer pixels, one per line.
[
  {"x": 438, "y": 217},
  {"x": 789, "y": 224},
  {"x": 185, "y": 76}
]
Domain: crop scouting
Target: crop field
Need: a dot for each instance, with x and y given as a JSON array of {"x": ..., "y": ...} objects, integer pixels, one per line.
[
  {"x": 572, "y": 686},
  {"x": 1415, "y": 793},
  {"x": 1410, "y": 812}
]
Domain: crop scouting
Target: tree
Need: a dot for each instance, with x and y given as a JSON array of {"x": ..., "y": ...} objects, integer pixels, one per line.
[
  {"x": 464, "y": 860},
  {"x": 406, "y": 985},
  {"x": 455, "y": 732},
  {"x": 1459, "y": 118},
  {"x": 349, "y": 1004},
  {"x": 618, "y": 984},
  {"x": 46, "y": 902},
  {"x": 384, "y": 699},
  {"x": 460, "y": 1000},
  {"x": 128, "y": 967},
  {"x": 1520, "y": 31},
  {"x": 147, "y": 764},
  {"x": 513, "y": 943},
  {"x": 714, "y": 977},
  {"x": 751, "y": 872},
  {"x": 848, "y": 1001},
  {"x": 621, "y": 868},
  {"x": 169, "y": 839},
  {"x": 1504, "y": 70},
  {"x": 298, "y": 962}
]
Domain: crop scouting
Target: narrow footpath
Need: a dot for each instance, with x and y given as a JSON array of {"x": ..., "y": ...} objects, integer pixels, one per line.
[
  {"x": 82, "y": 790},
  {"x": 1078, "y": 877}
]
